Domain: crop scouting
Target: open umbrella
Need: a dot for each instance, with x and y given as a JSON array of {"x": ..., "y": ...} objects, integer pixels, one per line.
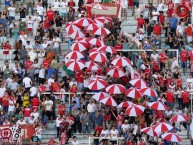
[
  {"x": 79, "y": 46},
  {"x": 96, "y": 42},
  {"x": 135, "y": 110},
  {"x": 92, "y": 26},
  {"x": 103, "y": 19},
  {"x": 97, "y": 84},
  {"x": 125, "y": 104},
  {"x": 98, "y": 56},
  {"x": 84, "y": 22},
  {"x": 75, "y": 55},
  {"x": 179, "y": 118},
  {"x": 148, "y": 92},
  {"x": 115, "y": 89},
  {"x": 162, "y": 127},
  {"x": 100, "y": 96},
  {"x": 133, "y": 93},
  {"x": 171, "y": 137},
  {"x": 77, "y": 34},
  {"x": 121, "y": 61},
  {"x": 139, "y": 83},
  {"x": 158, "y": 106},
  {"x": 102, "y": 32},
  {"x": 71, "y": 28},
  {"x": 149, "y": 131},
  {"x": 109, "y": 101},
  {"x": 75, "y": 65},
  {"x": 115, "y": 72},
  {"x": 92, "y": 66},
  {"x": 109, "y": 49}
]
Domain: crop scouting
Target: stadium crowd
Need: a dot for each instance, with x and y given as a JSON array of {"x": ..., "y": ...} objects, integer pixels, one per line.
[{"x": 27, "y": 88}]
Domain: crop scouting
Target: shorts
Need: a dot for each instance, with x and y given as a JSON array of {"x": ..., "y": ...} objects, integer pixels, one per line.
[
  {"x": 2, "y": 39},
  {"x": 184, "y": 64},
  {"x": 29, "y": 29},
  {"x": 106, "y": 117},
  {"x": 136, "y": 4}
]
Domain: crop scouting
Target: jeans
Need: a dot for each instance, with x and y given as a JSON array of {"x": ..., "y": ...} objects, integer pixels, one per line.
[
  {"x": 188, "y": 130},
  {"x": 80, "y": 86},
  {"x": 85, "y": 128},
  {"x": 119, "y": 128},
  {"x": 180, "y": 103},
  {"x": 92, "y": 117},
  {"x": 11, "y": 19},
  {"x": 170, "y": 104},
  {"x": 29, "y": 6}
]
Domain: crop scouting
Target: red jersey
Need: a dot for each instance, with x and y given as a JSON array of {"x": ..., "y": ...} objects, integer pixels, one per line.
[
  {"x": 61, "y": 109},
  {"x": 6, "y": 100},
  {"x": 163, "y": 57},
  {"x": 71, "y": 3},
  {"x": 161, "y": 81},
  {"x": 55, "y": 87},
  {"x": 179, "y": 83},
  {"x": 46, "y": 24},
  {"x": 169, "y": 80},
  {"x": 42, "y": 88},
  {"x": 141, "y": 143},
  {"x": 191, "y": 55},
  {"x": 118, "y": 47},
  {"x": 170, "y": 97},
  {"x": 140, "y": 22},
  {"x": 28, "y": 64},
  {"x": 170, "y": 12},
  {"x": 35, "y": 102},
  {"x": 46, "y": 63},
  {"x": 185, "y": 97},
  {"x": 6, "y": 48},
  {"x": 157, "y": 29},
  {"x": 124, "y": 80},
  {"x": 27, "y": 112},
  {"x": 50, "y": 15},
  {"x": 184, "y": 56},
  {"x": 170, "y": 4},
  {"x": 79, "y": 76},
  {"x": 148, "y": 71},
  {"x": 155, "y": 66},
  {"x": 162, "y": 18}
]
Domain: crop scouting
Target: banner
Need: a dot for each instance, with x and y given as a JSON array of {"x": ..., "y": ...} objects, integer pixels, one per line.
[{"x": 15, "y": 133}]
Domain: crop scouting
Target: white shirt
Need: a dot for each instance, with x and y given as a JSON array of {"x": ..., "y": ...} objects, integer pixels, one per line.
[
  {"x": 104, "y": 133},
  {"x": 50, "y": 81},
  {"x": 49, "y": 105},
  {"x": 91, "y": 107},
  {"x": 168, "y": 113},
  {"x": 73, "y": 83},
  {"x": 11, "y": 105},
  {"x": 2, "y": 91},
  {"x": 56, "y": 4},
  {"x": 155, "y": 56},
  {"x": 35, "y": 115},
  {"x": 40, "y": 10},
  {"x": 58, "y": 121},
  {"x": 11, "y": 11},
  {"x": 29, "y": 24},
  {"x": 155, "y": 15},
  {"x": 86, "y": 82},
  {"x": 56, "y": 42},
  {"x": 114, "y": 133},
  {"x": 74, "y": 143},
  {"x": 27, "y": 82},
  {"x": 42, "y": 73},
  {"x": 33, "y": 91},
  {"x": 180, "y": 29},
  {"x": 37, "y": 19},
  {"x": 21, "y": 123},
  {"x": 32, "y": 55},
  {"x": 39, "y": 132},
  {"x": 28, "y": 47},
  {"x": 125, "y": 127}
]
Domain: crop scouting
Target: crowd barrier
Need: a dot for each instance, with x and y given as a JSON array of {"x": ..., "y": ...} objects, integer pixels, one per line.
[{"x": 109, "y": 138}]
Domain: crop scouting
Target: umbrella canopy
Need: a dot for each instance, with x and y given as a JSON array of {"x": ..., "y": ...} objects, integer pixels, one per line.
[
  {"x": 115, "y": 89},
  {"x": 104, "y": 19},
  {"x": 77, "y": 34},
  {"x": 98, "y": 6},
  {"x": 100, "y": 96},
  {"x": 97, "y": 84},
  {"x": 102, "y": 31},
  {"x": 158, "y": 106},
  {"x": 96, "y": 42},
  {"x": 75, "y": 55},
  {"x": 109, "y": 101},
  {"x": 135, "y": 110},
  {"x": 133, "y": 93},
  {"x": 139, "y": 83},
  {"x": 171, "y": 137},
  {"x": 84, "y": 22},
  {"x": 162, "y": 127},
  {"x": 75, "y": 65},
  {"x": 98, "y": 56},
  {"x": 92, "y": 26},
  {"x": 92, "y": 66},
  {"x": 125, "y": 104},
  {"x": 79, "y": 46},
  {"x": 109, "y": 49},
  {"x": 179, "y": 118},
  {"x": 149, "y": 131},
  {"x": 121, "y": 61},
  {"x": 148, "y": 92},
  {"x": 115, "y": 72},
  {"x": 71, "y": 28}
]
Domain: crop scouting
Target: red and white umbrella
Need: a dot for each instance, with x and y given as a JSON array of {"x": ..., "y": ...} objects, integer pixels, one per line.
[
  {"x": 121, "y": 61},
  {"x": 109, "y": 101},
  {"x": 135, "y": 110},
  {"x": 139, "y": 83},
  {"x": 98, "y": 6},
  {"x": 97, "y": 84},
  {"x": 79, "y": 46},
  {"x": 109, "y": 49},
  {"x": 71, "y": 28},
  {"x": 98, "y": 56},
  {"x": 115, "y": 72},
  {"x": 92, "y": 66},
  {"x": 179, "y": 118},
  {"x": 133, "y": 93},
  {"x": 84, "y": 22},
  {"x": 75, "y": 55},
  {"x": 149, "y": 131},
  {"x": 148, "y": 92},
  {"x": 81, "y": 39},
  {"x": 95, "y": 41},
  {"x": 91, "y": 27},
  {"x": 99, "y": 23},
  {"x": 75, "y": 65},
  {"x": 100, "y": 96},
  {"x": 77, "y": 34},
  {"x": 70, "y": 23},
  {"x": 162, "y": 127},
  {"x": 102, "y": 31},
  {"x": 158, "y": 106},
  {"x": 115, "y": 89},
  {"x": 125, "y": 104},
  {"x": 171, "y": 137},
  {"x": 104, "y": 19}
]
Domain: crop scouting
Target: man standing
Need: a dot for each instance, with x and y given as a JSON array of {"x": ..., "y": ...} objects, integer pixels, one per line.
[
  {"x": 50, "y": 15},
  {"x": 91, "y": 108},
  {"x": 29, "y": 6}
]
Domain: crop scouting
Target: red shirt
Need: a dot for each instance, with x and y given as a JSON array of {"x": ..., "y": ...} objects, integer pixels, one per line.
[
  {"x": 61, "y": 107},
  {"x": 46, "y": 24},
  {"x": 141, "y": 143},
  {"x": 71, "y": 4},
  {"x": 162, "y": 18},
  {"x": 184, "y": 56},
  {"x": 27, "y": 112},
  {"x": 161, "y": 81},
  {"x": 163, "y": 57},
  {"x": 157, "y": 29},
  {"x": 148, "y": 71},
  {"x": 6, "y": 100},
  {"x": 42, "y": 88},
  {"x": 185, "y": 97},
  {"x": 35, "y": 102},
  {"x": 79, "y": 76},
  {"x": 124, "y": 80},
  {"x": 169, "y": 80},
  {"x": 55, "y": 87},
  {"x": 170, "y": 12},
  {"x": 46, "y": 63},
  {"x": 140, "y": 22},
  {"x": 28, "y": 64},
  {"x": 179, "y": 82},
  {"x": 191, "y": 55},
  {"x": 50, "y": 15},
  {"x": 155, "y": 66},
  {"x": 118, "y": 47},
  {"x": 170, "y": 97},
  {"x": 170, "y": 4},
  {"x": 6, "y": 47},
  {"x": 130, "y": 143}
]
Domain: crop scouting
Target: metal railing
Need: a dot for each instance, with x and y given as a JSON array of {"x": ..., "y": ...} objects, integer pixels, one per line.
[{"x": 109, "y": 138}]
